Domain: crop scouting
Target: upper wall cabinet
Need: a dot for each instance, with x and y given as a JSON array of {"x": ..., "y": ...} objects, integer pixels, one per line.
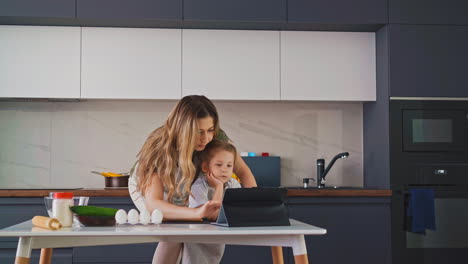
[
  {"x": 131, "y": 63},
  {"x": 238, "y": 10},
  {"x": 41, "y": 62},
  {"x": 429, "y": 12},
  {"x": 428, "y": 61},
  {"x": 129, "y": 9},
  {"x": 35, "y": 8},
  {"x": 231, "y": 64},
  {"x": 338, "y": 11},
  {"x": 328, "y": 66}
]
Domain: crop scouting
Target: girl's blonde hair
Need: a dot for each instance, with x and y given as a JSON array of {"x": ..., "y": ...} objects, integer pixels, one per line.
[{"x": 172, "y": 145}]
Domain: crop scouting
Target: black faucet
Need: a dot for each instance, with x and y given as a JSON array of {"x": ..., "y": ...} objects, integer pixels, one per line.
[{"x": 321, "y": 173}]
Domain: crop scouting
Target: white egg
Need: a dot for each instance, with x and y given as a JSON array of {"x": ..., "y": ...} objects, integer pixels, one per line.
[
  {"x": 121, "y": 216},
  {"x": 156, "y": 216},
  {"x": 133, "y": 217},
  {"x": 145, "y": 217}
]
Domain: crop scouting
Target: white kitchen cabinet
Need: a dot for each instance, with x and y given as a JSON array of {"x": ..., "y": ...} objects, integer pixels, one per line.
[
  {"x": 39, "y": 62},
  {"x": 336, "y": 66},
  {"x": 231, "y": 64},
  {"x": 131, "y": 63}
]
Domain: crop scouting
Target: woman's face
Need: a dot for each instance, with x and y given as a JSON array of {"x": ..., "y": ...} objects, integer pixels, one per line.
[{"x": 205, "y": 132}]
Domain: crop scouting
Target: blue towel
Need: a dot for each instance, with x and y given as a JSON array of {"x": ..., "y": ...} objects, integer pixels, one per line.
[{"x": 421, "y": 209}]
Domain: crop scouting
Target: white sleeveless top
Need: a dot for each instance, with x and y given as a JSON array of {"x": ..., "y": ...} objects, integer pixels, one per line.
[{"x": 139, "y": 200}]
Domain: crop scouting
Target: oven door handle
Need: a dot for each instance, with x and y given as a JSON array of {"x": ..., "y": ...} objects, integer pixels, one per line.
[{"x": 455, "y": 193}]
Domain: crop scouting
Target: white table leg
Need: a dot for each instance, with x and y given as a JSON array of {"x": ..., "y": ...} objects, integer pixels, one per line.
[
  {"x": 299, "y": 250},
  {"x": 23, "y": 253}
]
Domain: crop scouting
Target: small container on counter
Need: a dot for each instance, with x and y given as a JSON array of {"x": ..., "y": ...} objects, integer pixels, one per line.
[
  {"x": 61, "y": 208},
  {"x": 306, "y": 182}
]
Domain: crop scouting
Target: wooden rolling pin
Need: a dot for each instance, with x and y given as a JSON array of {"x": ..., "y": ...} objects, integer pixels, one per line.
[{"x": 46, "y": 222}]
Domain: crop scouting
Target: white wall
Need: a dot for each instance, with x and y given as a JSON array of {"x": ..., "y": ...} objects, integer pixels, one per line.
[{"x": 57, "y": 144}]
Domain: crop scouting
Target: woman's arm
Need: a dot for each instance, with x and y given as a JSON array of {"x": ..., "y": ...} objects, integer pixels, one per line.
[
  {"x": 154, "y": 198},
  {"x": 243, "y": 172}
]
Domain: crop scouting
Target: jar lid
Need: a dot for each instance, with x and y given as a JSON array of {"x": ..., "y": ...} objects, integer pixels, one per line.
[{"x": 63, "y": 195}]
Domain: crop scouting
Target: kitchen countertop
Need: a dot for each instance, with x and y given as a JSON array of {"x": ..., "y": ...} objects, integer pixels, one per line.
[{"x": 124, "y": 192}]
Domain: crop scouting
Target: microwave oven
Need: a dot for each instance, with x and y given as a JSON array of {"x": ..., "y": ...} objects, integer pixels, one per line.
[{"x": 427, "y": 133}]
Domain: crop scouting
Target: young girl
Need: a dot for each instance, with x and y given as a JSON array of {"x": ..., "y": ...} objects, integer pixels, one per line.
[{"x": 217, "y": 163}]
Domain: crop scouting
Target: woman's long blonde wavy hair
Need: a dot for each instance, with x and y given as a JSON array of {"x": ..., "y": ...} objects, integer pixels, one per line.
[{"x": 171, "y": 147}]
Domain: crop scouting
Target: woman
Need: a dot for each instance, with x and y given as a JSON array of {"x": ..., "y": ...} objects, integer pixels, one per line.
[{"x": 167, "y": 164}]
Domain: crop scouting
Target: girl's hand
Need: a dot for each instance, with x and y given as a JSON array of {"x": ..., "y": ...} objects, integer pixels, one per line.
[
  {"x": 213, "y": 181},
  {"x": 209, "y": 210}
]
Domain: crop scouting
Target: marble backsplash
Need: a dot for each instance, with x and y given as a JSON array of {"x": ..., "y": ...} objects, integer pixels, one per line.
[{"x": 57, "y": 144}]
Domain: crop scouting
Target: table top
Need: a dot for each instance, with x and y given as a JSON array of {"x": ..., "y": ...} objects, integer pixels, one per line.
[{"x": 27, "y": 229}]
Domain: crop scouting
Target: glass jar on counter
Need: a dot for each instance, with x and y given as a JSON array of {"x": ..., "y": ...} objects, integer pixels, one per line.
[{"x": 61, "y": 208}]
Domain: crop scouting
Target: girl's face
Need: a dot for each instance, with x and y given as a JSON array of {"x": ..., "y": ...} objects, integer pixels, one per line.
[
  {"x": 222, "y": 165},
  {"x": 205, "y": 132}
]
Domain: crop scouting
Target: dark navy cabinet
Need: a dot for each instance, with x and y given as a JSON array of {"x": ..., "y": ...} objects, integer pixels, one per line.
[
  {"x": 35, "y": 8},
  {"x": 428, "y": 61},
  {"x": 235, "y": 10},
  {"x": 129, "y": 9},
  {"x": 358, "y": 229},
  {"x": 428, "y": 12},
  {"x": 338, "y": 11}
]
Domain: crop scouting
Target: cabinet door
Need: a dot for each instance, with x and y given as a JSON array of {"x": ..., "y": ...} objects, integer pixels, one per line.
[
  {"x": 39, "y": 62},
  {"x": 231, "y": 64},
  {"x": 338, "y": 11},
  {"x": 428, "y": 12},
  {"x": 35, "y": 8},
  {"x": 358, "y": 229},
  {"x": 428, "y": 61},
  {"x": 239, "y": 10},
  {"x": 129, "y": 9},
  {"x": 328, "y": 66},
  {"x": 131, "y": 63}
]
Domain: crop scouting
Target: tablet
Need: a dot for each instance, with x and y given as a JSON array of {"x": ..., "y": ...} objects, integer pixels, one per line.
[{"x": 244, "y": 207}]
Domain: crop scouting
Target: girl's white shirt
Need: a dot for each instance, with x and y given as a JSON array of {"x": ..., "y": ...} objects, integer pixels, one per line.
[{"x": 202, "y": 192}]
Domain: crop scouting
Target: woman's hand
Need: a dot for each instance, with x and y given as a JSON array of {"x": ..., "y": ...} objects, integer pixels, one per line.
[
  {"x": 213, "y": 181},
  {"x": 209, "y": 210}
]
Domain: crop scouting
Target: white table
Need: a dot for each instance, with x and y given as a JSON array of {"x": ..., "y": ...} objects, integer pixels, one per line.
[{"x": 280, "y": 236}]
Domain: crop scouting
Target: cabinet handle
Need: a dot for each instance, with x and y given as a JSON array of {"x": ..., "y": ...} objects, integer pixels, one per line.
[{"x": 440, "y": 172}]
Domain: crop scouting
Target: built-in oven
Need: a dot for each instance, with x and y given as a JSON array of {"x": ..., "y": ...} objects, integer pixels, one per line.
[{"x": 448, "y": 244}]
